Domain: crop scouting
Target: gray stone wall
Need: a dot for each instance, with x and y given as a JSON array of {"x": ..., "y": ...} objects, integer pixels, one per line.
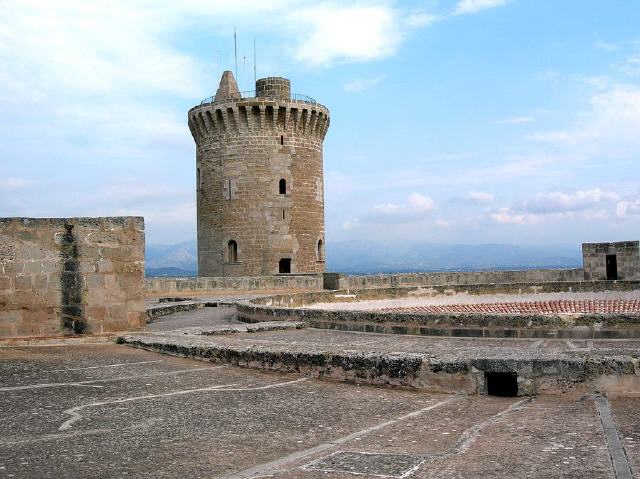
[
  {"x": 627, "y": 255},
  {"x": 202, "y": 285},
  {"x": 338, "y": 281},
  {"x": 61, "y": 276},
  {"x": 244, "y": 147}
]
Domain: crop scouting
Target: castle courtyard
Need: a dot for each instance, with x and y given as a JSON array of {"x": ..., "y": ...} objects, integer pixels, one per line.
[{"x": 98, "y": 409}]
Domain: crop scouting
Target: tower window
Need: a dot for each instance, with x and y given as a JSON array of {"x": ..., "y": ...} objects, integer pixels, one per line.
[
  {"x": 283, "y": 186},
  {"x": 232, "y": 250},
  {"x": 320, "y": 250},
  {"x": 282, "y": 139}
]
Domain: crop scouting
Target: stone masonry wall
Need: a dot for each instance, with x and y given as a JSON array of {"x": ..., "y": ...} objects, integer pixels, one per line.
[
  {"x": 628, "y": 258},
  {"x": 201, "y": 285},
  {"x": 61, "y": 276},
  {"x": 273, "y": 87},
  {"x": 244, "y": 148},
  {"x": 338, "y": 281}
]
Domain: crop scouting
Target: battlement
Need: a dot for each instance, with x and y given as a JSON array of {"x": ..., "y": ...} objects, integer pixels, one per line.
[
  {"x": 270, "y": 109},
  {"x": 251, "y": 116}
]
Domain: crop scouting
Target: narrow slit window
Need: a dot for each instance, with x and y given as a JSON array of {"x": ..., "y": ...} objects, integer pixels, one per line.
[
  {"x": 282, "y": 214},
  {"x": 232, "y": 247},
  {"x": 282, "y": 139},
  {"x": 320, "y": 250},
  {"x": 283, "y": 186}
]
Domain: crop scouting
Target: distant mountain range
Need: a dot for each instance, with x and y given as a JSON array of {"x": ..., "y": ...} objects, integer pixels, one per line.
[
  {"x": 370, "y": 257},
  {"x": 180, "y": 259}
]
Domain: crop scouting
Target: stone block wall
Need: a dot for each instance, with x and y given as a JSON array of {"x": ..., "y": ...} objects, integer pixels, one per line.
[
  {"x": 627, "y": 258},
  {"x": 63, "y": 276},
  {"x": 202, "y": 286},
  {"x": 338, "y": 281}
]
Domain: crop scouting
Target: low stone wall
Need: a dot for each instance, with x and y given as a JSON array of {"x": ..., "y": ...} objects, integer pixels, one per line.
[
  {"x": 338, "y": 281},
  {"x": 64, "y": 276},
  {"x": 200, "y": 286},
  {"x": 168, "y": 308},
  {"x": 302, "y": 299},
  {"x": 290, "y": 307}
]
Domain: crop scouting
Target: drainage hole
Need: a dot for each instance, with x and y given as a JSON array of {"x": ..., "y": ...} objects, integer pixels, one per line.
[{"x": 501, "y": 384}]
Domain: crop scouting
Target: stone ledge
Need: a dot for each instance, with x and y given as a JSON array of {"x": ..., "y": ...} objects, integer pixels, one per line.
[{"x": 431, "y": 367}]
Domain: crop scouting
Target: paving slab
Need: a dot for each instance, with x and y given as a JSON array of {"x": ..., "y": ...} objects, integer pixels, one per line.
[{"x": 108, "y": 411}]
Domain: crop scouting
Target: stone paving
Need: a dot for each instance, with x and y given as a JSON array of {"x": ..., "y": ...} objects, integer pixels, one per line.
[{"x": 109, "y": 411}]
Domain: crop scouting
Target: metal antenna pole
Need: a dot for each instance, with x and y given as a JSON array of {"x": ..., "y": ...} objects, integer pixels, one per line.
[
  {"x": 255, "y": 76},
  {"x": 235, "y": 50},
  {"x": 244, "y": 69}
]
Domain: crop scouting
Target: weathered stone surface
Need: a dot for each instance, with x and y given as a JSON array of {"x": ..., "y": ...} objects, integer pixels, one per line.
[
  {"x": 259, "y": 171},
  {"x": 336, "y": 281},
  {"x": 627, "y": 257},
  {"x": 203, "y": 285},
  {"x": 55, "y": 275},
  {"x": 171, "y": 417},
  {"x": 431, "y": 364}
]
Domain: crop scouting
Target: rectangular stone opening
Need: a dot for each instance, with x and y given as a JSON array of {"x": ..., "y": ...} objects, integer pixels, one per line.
[
  {"x": 612, "y": 267},
  {"x": 501, "y": 384},
  {"x": 284, "y": 266}
]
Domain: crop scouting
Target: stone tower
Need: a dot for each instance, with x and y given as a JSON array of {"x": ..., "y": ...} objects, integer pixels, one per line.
[{"x": 259, "y": 180}]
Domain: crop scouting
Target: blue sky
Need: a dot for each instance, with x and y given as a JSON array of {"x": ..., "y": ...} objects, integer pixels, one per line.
[{"x": 466, "y": 121}]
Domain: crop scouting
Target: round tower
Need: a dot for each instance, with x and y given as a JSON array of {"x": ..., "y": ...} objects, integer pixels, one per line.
[{"x": 259, "y": 180}]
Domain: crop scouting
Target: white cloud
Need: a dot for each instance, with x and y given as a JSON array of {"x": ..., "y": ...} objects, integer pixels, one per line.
[
  {"x": 628, "y": 208},
  {"x": 444, "y": 224},
  {"x": 15, "y": 183},
  {"x": 558, "y": 201},
  {"x": 351, "y": 224},
  {"x": 361, "y": 84},
  {"x": 333, "y": 32},
  {"x": 607, "y": 46},
  {"x": 421, "y": 19},
  {"x": 414, "y": 209},
  {"x": 510, "y": 216},
  {"x": 389, "y": 209},
  {"x": 610, "y": 126},
  {"x": 49, "y": 49},
  {"x": 466, "y": 7},
  {"x": 474, "y": 197},
  {"x": 481, "y": 196},
  {"x": 631, "y": 66},
  {"x": 585, "y": 205},
  {"x": 420, "y": 203}
]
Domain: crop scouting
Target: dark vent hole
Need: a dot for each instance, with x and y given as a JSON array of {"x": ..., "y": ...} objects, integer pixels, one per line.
[{"x": 501, "y": 384}]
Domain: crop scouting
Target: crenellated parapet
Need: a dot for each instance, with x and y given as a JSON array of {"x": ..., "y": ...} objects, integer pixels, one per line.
[{"x": 258, "y": 116}]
